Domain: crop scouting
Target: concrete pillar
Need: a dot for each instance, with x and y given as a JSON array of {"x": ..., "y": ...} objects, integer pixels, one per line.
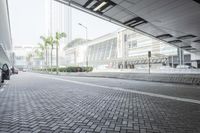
[{"x": 181, "y": 56}]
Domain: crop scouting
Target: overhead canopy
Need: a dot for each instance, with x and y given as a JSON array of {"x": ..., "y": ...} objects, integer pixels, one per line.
[
  {"x": 174, "y": 21},
  {"x": 3, "y": 56}
]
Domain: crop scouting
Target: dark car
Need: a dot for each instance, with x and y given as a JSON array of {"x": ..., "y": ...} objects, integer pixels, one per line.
[
  {"x": 1, "y": 79},
  {"x": 14, "y": 70},
  {"x": 5, "y": 73}
]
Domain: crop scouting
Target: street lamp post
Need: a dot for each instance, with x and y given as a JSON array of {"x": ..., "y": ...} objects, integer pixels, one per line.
[
  {"x": 86, "y": 36},
  {"x": 149, "y": 56}
]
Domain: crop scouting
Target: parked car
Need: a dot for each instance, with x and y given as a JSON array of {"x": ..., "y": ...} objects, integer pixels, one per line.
[
  {"x": 24, "y": 70},
  {"x": 14, "y": 70},
  {"x": 5, "y": 73},
  {"x": 165, "y": 67},
  {"x": 1, "y": 79},
  {"x": 183, "y": 67}
]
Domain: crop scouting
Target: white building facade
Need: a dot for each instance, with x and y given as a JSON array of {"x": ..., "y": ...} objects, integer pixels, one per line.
[
  {"x": 124, "y": 49},
  {"x": 21, "y": 60}
]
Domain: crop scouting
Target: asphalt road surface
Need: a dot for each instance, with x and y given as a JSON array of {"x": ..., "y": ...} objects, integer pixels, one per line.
[{"x": 32, "y": 102}]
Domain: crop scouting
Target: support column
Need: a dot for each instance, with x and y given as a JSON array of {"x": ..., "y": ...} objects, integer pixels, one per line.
[{"x": 181, "y": 56}]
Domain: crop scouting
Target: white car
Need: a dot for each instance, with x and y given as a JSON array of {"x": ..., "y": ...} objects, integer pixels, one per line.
[
  {"x": 165, "y": 67},
  {"x": 24, "y": 70},
  {"x": 183, "y": 67}
]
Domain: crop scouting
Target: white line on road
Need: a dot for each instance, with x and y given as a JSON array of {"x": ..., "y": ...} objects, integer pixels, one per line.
[{"x": 126, "y": 90}]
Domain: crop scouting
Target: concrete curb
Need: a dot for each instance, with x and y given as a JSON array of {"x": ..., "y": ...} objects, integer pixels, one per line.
[{"x": 190, "y": 79}]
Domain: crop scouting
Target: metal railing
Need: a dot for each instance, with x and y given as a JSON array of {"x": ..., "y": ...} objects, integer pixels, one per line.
[{"x": 169, "y": 70}]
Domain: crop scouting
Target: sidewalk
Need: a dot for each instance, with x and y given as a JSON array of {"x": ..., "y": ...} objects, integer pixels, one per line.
[{"x": 191, "y": 79}]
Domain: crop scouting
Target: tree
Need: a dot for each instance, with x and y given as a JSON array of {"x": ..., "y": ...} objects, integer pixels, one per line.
[
  {"x": 28, "y": 58},
  {"x": 58, "y": 37},
  {"x": 51, "y": 42},
  {"x": 45, "y": 41},
  {"x": 39, "y": 52}
]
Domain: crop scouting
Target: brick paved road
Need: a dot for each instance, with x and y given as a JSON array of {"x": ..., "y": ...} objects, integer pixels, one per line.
[{"x": 30, "y": 103}]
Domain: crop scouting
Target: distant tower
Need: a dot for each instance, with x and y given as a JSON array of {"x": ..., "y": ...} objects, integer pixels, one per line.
[{"x": 58, "y": 19}]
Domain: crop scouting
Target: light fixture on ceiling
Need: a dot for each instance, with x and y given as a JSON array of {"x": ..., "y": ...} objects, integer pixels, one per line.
[
  {"x": 138, "y": 23},
  {"x": 175, "y": 41},
  {"x": 198, "y": 41},
  {"x": 191, "y": 49},
  {"x": 91, "y": 4},
  {"x": 130, "y": 22},
  {"x": 186, "y": 47},
  {"x": 100, "y": 6},
  {"x": 198, "y": 1},
  {"x": 107, "y": 8},
  {"x": 186, "y": 37},
  {"x": 135, "y": 22},
  {"x": 164, "y": 36}
]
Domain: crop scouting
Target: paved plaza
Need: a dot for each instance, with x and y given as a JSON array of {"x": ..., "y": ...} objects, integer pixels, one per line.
[{"x": 32, "y": 102}]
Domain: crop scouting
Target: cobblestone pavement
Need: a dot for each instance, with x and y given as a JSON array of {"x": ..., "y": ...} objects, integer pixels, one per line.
[
  {"x": 30, "y": 103},
  {"x": 176, "y": 90}
]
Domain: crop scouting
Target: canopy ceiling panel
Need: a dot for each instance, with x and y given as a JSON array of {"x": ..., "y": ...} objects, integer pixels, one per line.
[{"x": 173, "y": 21}]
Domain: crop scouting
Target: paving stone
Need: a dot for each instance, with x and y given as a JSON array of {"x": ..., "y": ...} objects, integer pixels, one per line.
[
  {"x": 33, "y": 104},
  {"x": 98, "y": 129}
]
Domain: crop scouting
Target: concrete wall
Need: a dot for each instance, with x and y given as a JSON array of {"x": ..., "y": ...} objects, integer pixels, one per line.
[{"x": 5, "y": 34}]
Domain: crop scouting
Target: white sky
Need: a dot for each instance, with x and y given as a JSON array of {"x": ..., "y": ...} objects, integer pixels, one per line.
[{"x": 28, "y": 22}]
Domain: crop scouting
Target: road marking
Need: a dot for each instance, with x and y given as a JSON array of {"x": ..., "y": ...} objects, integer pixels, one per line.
[{"x": 126, "y": 90}]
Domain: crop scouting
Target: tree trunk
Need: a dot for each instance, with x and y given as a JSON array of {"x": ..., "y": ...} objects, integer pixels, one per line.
[
  {"x": 46, "y": 60},
  {"x": 51, "y": 58},
  {"x": 57, "y": 59}
]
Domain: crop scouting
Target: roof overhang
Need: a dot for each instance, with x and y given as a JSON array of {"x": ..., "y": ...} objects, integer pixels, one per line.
[
  {"x": 175, "y": 22},
  {"x": 3, "y": 55}
]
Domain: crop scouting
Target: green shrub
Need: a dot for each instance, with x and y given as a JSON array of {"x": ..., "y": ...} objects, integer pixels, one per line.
[
  {"x": 73, "y": 69},
  {"x": 63, "y": 69},
  {"x": 79, "y": 69},
  {"x": 87, "y": 69},
  {"x": 67, "y": 69}
]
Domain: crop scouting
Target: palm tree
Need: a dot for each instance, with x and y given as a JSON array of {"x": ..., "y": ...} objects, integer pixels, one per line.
[
  {"x": 45, "y": 40},
  {"x": 51, "y": 43},
  {"x": 41, "y": 48},
  {"x": 58, "y": 37},
  {"x": 39, "y": 52},
  {"x": 28, "y": 58}
]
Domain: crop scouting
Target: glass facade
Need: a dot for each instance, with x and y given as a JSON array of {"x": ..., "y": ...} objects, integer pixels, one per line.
[
  {"x": 105, "y": 50},
  {"x": 6, "y": 55},
  {"x": 125, "y": 49}
]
